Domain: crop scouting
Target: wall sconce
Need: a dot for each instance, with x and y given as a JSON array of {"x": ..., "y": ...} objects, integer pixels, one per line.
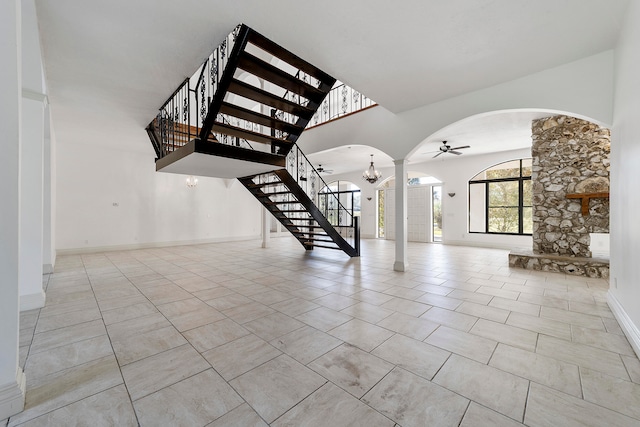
[
  {"x": 451, "y": 194},
  {"x": 192, "y": 181},
  {"x": 369, "y": 198}
]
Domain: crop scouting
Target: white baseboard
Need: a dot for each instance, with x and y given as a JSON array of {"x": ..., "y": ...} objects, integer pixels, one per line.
[
  {"x": 32, "y": 301},
  {"x": 628, "y": 327},
  {"x": 47, "y": 268},
  {"x": 80, "y": 251},
  {"x": 489, "y": 245},
  {"x": 12, "y": 396}
]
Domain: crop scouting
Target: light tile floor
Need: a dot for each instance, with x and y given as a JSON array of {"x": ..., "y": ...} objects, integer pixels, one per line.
[{"x": 233, "y": 335}]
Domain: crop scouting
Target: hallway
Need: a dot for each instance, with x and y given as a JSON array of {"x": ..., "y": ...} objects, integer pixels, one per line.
[{"x": 230, "y": 334}]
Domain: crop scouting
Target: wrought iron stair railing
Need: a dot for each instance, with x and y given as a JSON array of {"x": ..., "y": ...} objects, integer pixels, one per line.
[
  {"x": 200, "y": 107},
  {"x": 221, "y": 105},
  {"x": 291, "y": 195}
]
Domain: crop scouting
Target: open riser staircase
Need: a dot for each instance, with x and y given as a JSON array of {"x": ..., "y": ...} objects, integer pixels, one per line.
[
  {"x": 239, "y": 116},
  {"x": 279, "y": 192}
]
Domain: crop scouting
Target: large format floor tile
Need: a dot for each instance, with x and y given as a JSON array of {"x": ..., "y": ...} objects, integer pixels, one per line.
[
  {"x": 503, "y": 392},
  {"x": 153, "y": 373},
  {"x": 544, "y": 370},
  {"x": 62, "y": 388},
  {"x": 278, "y": 385},
  {"x": 410, "y": 400},
  {"x": 239, "y": 356},
  {"x": 462, "y": 343},
  {"x": 352, "y": 369},
  {"x": 229, "y": 334},
  {"x": 331, "y": 406},
  {"x": 306, "y": 344},
  {"x": 184, "y": 403},
  {"x": 547, "y": 407},
  {"x": 414, "y": 356}
]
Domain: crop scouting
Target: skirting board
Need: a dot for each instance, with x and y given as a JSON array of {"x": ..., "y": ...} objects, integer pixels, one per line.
[
  {"x": 489, "y": 245},
  {"x": 628, "y": 327},
  {"x": 32, "y": 301},
  {"x": 12, "y": 396},
  {"x": 79, "y": 251}
]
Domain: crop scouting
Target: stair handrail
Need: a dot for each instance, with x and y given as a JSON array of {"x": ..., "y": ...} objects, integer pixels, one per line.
[
  {"x": 342, "y": 100},
  {"x": 181, "y": 117},
  {"x": 295, "y": 172},
  {"x": 347, "y": 101}
]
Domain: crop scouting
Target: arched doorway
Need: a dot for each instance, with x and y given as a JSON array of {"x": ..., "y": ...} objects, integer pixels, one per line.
[{"x": 424, "y": 208}]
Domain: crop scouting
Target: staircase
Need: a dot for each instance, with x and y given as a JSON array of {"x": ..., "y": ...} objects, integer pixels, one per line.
[
  {"x": 289, "y": 195},
  {"x": 239, "y": 116}
]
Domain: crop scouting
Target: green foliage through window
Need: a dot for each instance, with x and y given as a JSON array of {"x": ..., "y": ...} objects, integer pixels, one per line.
[{"x": 500, "y": 199}]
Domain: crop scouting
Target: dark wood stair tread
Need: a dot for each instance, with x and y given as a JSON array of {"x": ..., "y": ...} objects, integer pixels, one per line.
[
  {"x": 250, "y": 135},
  {"x": 267, "y": 98},
  {"x": 278, "y": 51},
  {"x": 258, "y": 118},
  {"x": 268, "y": 72}
]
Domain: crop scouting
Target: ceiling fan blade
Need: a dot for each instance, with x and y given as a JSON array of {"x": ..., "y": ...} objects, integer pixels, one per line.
[
  {"x": 457, "y": 153},
  {"x": 460, "y": 148},
  {"x": 442, "y": 152}
]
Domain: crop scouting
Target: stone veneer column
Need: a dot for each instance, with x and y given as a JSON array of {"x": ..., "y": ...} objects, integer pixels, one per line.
[{"x": 569, "y": 156}]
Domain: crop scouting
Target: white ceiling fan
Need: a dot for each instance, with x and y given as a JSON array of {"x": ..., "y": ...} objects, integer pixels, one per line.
[{"x": 445, "y": 148}]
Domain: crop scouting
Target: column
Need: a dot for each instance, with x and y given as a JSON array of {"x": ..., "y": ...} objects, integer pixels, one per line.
[
  {"x": 266, "y": 227},
  {"x": 402, "y": 261},
  {"x": 31, "y": 200},
  {"x": 48, "y": 232},
  {"x": 31, "y": 161},
  {"x": 12, "y": 381}
]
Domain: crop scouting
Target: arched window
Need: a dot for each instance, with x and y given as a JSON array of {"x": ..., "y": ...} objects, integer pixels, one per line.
[{"x": 500, "y": 199}]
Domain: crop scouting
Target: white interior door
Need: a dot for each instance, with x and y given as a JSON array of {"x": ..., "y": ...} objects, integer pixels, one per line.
[{"x": 418, "y": 214}]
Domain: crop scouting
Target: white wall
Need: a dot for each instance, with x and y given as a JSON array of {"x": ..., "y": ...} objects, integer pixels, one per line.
[
  {"x": 152, "y": 207},
  {"x": 454, "y": 173},
  {"x": 582, "y": 88},
  {"x": 12, "y": 382},
  {"x": 624, "y": 293}
]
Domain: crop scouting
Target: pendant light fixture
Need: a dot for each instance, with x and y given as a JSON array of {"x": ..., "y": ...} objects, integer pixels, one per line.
[{"x": 371, "y": 175}]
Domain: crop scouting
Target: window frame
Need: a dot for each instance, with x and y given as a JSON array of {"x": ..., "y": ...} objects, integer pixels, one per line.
[
  {"x": 326, "y": 191},
  {"x": 520, "y": 179}
]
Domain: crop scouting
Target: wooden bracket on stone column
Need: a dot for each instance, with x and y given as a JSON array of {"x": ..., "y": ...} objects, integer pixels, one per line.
[{"x": 585, "y": 199}]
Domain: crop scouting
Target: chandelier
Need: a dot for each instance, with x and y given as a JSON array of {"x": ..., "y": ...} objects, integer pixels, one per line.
[
  {"x": 192, "y": 181},
  {"x": 371, "y": 175}
]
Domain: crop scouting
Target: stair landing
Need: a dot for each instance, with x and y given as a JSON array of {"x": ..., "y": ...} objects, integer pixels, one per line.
[{"x": 218, "y": 161}]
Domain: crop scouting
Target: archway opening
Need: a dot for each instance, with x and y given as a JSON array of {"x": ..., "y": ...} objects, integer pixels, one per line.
[{"x": 424, "y": 208}]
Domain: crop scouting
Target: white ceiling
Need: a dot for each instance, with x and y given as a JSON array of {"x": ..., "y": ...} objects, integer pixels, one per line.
[{"x": 111, "y": 64}]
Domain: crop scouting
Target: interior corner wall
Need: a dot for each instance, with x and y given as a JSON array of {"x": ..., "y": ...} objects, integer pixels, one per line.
[
  {"x": 108, "y": 198},
  {"x": 624, "y": 292}
]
